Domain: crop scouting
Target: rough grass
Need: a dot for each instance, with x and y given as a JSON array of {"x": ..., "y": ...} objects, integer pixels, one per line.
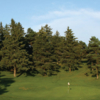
[{"x": 50, "y": 88}]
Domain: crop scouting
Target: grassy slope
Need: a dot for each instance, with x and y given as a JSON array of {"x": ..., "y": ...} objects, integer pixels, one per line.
[{"x": 51, "y": 88}]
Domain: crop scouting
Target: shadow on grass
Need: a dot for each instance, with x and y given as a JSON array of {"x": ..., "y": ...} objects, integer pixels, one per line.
[
  {"x": 94, "y": 75},
  {"x": 27, "y": 73},
  {"x": 2, "y": 76},
  {"x": 86, "y": 74},
  {"x": 34, "y": 72},
  {"x": 4, "y": 83}
]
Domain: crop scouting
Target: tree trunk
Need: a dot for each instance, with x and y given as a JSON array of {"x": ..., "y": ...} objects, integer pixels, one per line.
[
  {"x": 97, "y": 76},
  {"x": 14, "y": 71},
  {"x": 44, "y": 72},
  {"x": 69, "y": 69},
  {"x": 97, "y": 73}
]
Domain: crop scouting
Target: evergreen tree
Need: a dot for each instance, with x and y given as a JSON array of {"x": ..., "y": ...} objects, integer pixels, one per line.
[
  {"x": 1, "y": 32},
  {"x": 30, "y": 38},
  {"x": 57, "y": 45},
  {"x": 48, "y": 31},
  {"x": 1, "y": 36},
  {"x": 83, "y": 48},
  {"x": 13, "y": 53},
  {"x": 4, "y": 32},
  {"x": 77, "y": 55},
  {"x": 70, "y": 57},
  {"x": 29, "y": 41},
  {"x": 60, "y": 50},
  {"x": 43, "y": 54},
  {"x": 93, "y": 56}
]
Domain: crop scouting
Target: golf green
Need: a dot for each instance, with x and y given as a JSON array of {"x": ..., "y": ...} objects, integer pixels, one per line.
[{"x": 50, "y": 88}]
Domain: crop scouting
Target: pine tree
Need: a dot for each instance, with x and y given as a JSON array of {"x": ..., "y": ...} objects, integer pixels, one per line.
[
  {"x": 83, "y": 48},
  {"x": 44, "y": 60},
  {"x": 4, "y": 32},
  {"x": 60, "y": 50},
  {"x": 48, "y": 31},
  {"x": 1, "y": 32},
  {"x": 13, "y": 53},
  {"x": 29, "y": 41},
  {"x": 77, "y": 55},
  {"x": 38, "y": 49},
  {"x": 93, "y": 57},
  {"x": 1, "y": 36},
  {"x": 56, "y": 43},
  {"x": 69, "y": 54},
  {"x": 30, "y": 38}
]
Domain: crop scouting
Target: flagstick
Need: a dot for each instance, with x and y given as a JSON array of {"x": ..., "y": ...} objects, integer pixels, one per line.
[{"x": 68, "y": 86}]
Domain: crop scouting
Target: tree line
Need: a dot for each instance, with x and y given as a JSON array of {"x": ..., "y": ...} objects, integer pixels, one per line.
[{"x": 44, "y": 53}]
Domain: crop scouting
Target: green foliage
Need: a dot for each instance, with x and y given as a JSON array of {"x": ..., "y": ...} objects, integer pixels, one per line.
[
  {"x": 13, "y": 52},
  {"x": 71, "y": 51},
  {"x": 43, "y": 52},
  {"x": 46, "y": 53},
  {"x": 93, "y": 57}
]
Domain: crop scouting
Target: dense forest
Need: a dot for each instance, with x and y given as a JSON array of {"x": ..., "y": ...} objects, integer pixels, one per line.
[{"x": 44, "y": 53}]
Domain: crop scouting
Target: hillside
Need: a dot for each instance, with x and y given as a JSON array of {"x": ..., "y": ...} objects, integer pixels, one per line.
[{"x": 55, "y": 87}]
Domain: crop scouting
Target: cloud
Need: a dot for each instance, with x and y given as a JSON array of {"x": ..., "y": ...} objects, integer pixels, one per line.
[
  {"x": 83, "y": 22},
  {"x": 66, "y": 13}
]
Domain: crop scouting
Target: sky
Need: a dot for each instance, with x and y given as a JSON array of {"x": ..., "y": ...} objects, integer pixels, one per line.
[{"x": 82, "y": 16}]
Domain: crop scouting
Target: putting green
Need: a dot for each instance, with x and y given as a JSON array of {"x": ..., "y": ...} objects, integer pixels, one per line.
[{"x": 50, "y": 88}]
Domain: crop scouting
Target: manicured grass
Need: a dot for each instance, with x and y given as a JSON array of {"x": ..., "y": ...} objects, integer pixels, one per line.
[{"x": 50, "y": 88}]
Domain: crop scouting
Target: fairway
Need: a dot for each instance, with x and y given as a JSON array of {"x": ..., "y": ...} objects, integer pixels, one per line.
[{"x": 50, "y": 88}]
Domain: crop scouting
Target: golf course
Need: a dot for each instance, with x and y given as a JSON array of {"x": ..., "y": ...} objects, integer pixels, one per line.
[
  {"x": 50, "y": 50},
  {"x": 55, "y": 87}
]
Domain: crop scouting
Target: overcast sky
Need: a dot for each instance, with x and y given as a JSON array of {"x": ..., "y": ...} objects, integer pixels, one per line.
[{"x": 82, "y": 16}]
